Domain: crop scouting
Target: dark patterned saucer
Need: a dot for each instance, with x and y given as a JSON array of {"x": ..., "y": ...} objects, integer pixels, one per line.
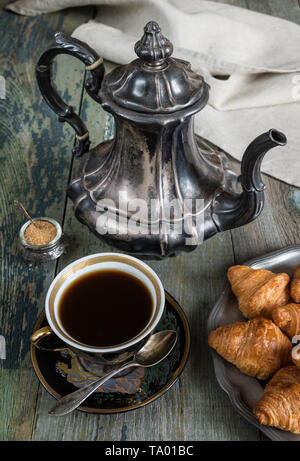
[{"x": 61, "y": 372}]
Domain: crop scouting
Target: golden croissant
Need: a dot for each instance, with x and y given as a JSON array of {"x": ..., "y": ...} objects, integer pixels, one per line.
[
  {"x": 295, "y": 285},
  {"x": 279, "y": 405},
  {"x": 257, "y": 347},
  {"x": 258, "y": 290},
  {"x": 287, "y": 318}
]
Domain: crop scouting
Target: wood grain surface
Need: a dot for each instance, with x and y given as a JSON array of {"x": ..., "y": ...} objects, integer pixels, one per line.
[{"x": 36, "y": 165}]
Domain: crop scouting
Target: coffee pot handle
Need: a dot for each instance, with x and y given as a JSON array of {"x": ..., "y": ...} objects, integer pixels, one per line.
[{"x": 64, "y": 44}]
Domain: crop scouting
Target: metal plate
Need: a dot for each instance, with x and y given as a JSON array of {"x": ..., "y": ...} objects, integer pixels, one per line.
[{"x": 244, "y": 391}]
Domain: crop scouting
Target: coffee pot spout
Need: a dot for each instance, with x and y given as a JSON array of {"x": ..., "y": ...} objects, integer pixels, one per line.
[{"x": 230, "y": 212}]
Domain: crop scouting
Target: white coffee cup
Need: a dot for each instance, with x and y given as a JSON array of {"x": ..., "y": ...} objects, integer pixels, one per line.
[{"x": 88, "y": 264}]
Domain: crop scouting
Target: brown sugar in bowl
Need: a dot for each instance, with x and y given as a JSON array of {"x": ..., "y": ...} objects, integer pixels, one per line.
[
  {"x": 40, "y": 232},
  {"x": 41, "y": 241}
]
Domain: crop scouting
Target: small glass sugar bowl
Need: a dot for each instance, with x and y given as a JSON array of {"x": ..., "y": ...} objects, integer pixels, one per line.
[{"x": 41, "y": 240}]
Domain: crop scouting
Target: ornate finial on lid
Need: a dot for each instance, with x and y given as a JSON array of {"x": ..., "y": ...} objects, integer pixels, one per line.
[{"x": 153, "y": 46}]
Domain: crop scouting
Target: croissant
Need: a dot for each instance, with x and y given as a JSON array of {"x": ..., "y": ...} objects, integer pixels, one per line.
[
  {"x": 287, "y": 318},
  {"x": 258, "y": 290},
  {"x": 279, "y": 405},
  {"x": 257, "y": 347},
  {"x": 295, "y": 285}
]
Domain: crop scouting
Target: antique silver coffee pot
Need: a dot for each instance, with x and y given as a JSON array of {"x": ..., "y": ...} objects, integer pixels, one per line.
[{"x": 156, "y": 188}]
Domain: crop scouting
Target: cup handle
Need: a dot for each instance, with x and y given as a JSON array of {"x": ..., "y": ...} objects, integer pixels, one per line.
[{"x": 40, "y": 334}]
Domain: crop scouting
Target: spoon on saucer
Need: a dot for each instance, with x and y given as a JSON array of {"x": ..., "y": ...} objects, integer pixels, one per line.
[{"x": 158, "y": 346}]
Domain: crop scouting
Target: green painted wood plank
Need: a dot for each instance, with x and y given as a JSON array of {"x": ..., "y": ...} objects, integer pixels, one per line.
[{"x": 35, "y": 161}]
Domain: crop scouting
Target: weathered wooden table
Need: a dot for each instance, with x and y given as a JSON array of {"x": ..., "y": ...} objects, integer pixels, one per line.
[{"x": 36, "y": 165}]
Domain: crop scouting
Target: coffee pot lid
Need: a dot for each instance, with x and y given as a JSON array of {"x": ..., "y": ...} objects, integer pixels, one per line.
[{"x": 155, "y": 83}]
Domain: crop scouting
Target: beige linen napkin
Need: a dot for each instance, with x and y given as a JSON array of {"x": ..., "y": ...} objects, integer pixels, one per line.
[{"x": 257, "y": 57}]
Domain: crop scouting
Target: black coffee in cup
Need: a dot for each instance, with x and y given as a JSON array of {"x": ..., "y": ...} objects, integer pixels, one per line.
[{"x": 105, "y": 308}]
